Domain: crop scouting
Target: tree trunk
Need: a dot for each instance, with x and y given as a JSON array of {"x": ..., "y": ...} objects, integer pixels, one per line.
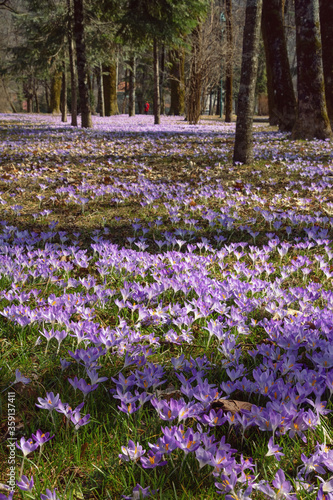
[
  {"x": 131, "y": 104},
  {"x": 47, "y": 99},
  {"x": 100, "y": 92},
  {"x": 243, "y": 151},
  {"x": 64, "y": 95},
  {"x": 162, "y": 76},
  {"x": 282, "y": 98},
  {"x": 229, "y": 62},
  {"x": 124, "y": 103},
  {"x": 326, "y": 22},
  {"x": 29, "y": 104},
  {"x": 91, "y": 82},
  {"x": 273, "y": 119},
  {"x": 35, "y": 94},
  {"x": 86, "y": 121},
  {"x": 156, "y": 103},
  {"x": 7, "y": 95},
  {"x": 195, "y": 81},
  {"x": 110, "y": 88},
  {"x": 177, "y": 84},
  {"x": 55, "y": 93},
  {"x": 72, "y": 65},
  {"x": 312, "y": 119}
]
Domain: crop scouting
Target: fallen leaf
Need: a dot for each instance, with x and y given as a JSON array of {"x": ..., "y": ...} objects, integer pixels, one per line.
[{"x": 232, "y": 405}]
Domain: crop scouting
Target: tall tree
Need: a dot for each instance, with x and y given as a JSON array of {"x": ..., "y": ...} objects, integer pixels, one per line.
[
  {"x": 229, "y": 61},
  {"x": 326, "y": 24},
  {"x": 64, "y": 94},
  {"x": 156, "y": 102},
  {"x": 86, "y": 121},
  {"x": 195, "y": 79},
  {"x": 283, "y": 105},
  {"x": 205, "y": 62},
  {"x": 55, "y": 92},
  {"x": 110, "y": 86},
  {"x": 132, "y": 70},
  {"x": 312, "y": 119},
  {"x": 243, "y": 150},
  {"x": 100, "y": 91},
  {"x": 177, "y": 81},
  {"x": 72, "y": 65}
]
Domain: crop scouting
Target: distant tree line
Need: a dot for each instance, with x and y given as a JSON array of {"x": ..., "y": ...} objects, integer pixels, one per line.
[{"x": 77, "y": 52}]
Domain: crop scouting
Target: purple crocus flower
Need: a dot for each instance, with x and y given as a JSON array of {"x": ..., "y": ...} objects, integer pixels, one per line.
[
  {"x": 94, "y": 378},
  {"x": 274, "y": 450},
  {"x": 214, "y": 418},
  {"x": 227, "y": 483},
  {"x": 25, "y": 484},
  {"x": 26, "y": 446},
  {"x": 50, "y": 403},
  {"x": 79, "y": 421},
  {"x": 4, "y": 497},
  {"x": 67, "y": 410},
  {"x": 50, "y": 495},
  {"x": 153, "y": 460},
  {"x": 131, "y": 452},
  {"x": 41, "y": 437},
  {"x": 20, "y": 378},
  {"x": 203, "y": 456},
  {"x": 139, "y": 492},
  {"x": 82, "y": 385},
  {"x": 64, "y": 364},
  {"x": 284, "y": 487}
]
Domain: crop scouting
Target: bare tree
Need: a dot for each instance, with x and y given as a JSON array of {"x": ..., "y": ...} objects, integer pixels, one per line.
[{"x": 205, "y": 63}]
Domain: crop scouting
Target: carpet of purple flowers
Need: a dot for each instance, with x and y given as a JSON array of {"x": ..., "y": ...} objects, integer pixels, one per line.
[{"x": 166, "y": 318}]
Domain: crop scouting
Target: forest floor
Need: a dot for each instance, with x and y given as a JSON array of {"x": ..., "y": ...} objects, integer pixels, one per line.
[{"x": 164, "y": 315}]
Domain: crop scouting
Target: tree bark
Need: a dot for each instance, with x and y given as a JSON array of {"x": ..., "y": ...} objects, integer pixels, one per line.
[
  {"x": 162, "y": 77},
  {"x": 195, "y": 82},
  {"x": 7, "y": 95},
  {"x": 47, "y": 99},
  {"x": 100, "y": 92},
  {"x": 72, "y": 65},
  {"x": 156, "y": 102},
  {"x": 110, "y": 88},
  {"x": 64, "y": 95},
  {"x": 281, "y": 92},
  {"x": 243, "y": 150},
  {"x": 273, "y": 119},
  {"x": 55, "y": 93},
  {"x": 86, "y": 121},
  {"x": 131, "y": 104},
  {"x": 229, "y": 62},
  {"x": 35, "y": 93},
  {"x": 326, "y": 24},
  {"x": 177, "y": 83},
  {"x": 312, "y": 119}
]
